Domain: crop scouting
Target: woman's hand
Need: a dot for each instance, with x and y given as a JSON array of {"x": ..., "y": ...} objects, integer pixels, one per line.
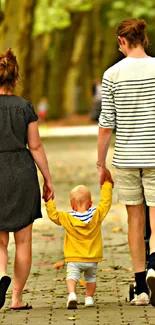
[{"x": 48, "y": 191}]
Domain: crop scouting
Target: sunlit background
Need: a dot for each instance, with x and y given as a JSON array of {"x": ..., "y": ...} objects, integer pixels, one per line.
[{"x": 64, "y": 46}]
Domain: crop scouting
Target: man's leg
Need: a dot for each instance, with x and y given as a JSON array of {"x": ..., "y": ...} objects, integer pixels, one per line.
[
  {"x": 148, "y": 178},
  {"x": 130, "y": 193},
  {"x": 136, "y": 222},
  {"x": 151, "y": 265},
  {"x": 152, "y": 225}
]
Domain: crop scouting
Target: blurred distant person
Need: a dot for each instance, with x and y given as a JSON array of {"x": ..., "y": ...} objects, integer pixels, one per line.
[
  {"x": 83, "y": 239},
  {"x": 20, "y": 201},
  {"x": 42, "y": 109},
  {"x": 128, "y": 102},
  {"x": 96, "y": 98}
]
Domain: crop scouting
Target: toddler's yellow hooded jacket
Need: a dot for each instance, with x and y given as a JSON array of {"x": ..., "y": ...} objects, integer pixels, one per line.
[{"x": 83, "y": 241}]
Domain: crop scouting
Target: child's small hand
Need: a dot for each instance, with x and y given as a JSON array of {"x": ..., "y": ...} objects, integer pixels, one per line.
[
  {"x": 104, "y": 176},
  {"x": 48, "y": 191},
  {"x": 110, "y": 181}
]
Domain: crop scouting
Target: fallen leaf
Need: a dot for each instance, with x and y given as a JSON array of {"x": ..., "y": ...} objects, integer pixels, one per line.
[
  {"x": 42, "y": 264},
  {"x": 113, "y": 218},
  {"x": 107, "y": 269},
  {"x": 124, "y": 283},
  {"x": 82, "y": 283},
  {"x": 116, "y": 267},
  {"x": 71, "y": 318},
  {"x": 36, "y": 274},
  {"x": 58, "y": 279},
  {"x": 117, "y": 245},
  {"x": 117, "y": 229},
  {"x": 58, "y": 265},
  {"x": 127, "y": 269}
]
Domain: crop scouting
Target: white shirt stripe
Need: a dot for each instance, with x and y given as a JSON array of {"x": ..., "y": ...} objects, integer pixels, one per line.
[{"x": 85, "y": 216}]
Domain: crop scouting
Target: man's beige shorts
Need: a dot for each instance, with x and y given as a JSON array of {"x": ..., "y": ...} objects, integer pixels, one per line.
[{"x": 134, "y": 183}]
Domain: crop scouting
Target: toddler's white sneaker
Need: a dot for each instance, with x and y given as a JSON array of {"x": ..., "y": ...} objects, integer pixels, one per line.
[
  {"x": 72, "y": 301},
  {"x": 89, "y": 302}
]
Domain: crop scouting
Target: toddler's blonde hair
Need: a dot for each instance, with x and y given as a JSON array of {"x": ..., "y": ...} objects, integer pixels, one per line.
[{"x": 80, "y": 194}]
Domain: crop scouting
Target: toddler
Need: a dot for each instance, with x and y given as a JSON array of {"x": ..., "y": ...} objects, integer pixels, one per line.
[{"x": 83, "y": 239}]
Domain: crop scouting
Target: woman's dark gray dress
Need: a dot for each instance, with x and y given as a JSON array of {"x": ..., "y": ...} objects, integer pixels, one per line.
[{"x": 20, "y": 201}]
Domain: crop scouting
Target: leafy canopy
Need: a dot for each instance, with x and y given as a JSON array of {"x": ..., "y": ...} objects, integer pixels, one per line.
[
  {"x": 57, "y": 15},
  {"x": 121, "y": 9}
]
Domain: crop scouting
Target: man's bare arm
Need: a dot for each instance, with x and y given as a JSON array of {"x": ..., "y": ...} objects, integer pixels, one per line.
[{"x": 104, "y": 138}]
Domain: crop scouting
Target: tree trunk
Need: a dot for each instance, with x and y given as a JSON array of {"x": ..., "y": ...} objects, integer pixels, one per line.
[
  {"x": 97, "y": 43},
  {"x": 110, "y": 48},
  {"x": 38, "y": 76},
  {"x": 60, "y": 54},
  {"x": 17, "y": 28},
  {"x": 75, "y": 94},
  {"x": 24, "y": 44}
]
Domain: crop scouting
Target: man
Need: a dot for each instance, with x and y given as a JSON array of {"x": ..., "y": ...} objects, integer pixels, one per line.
[{"x": 128, "y": 104}]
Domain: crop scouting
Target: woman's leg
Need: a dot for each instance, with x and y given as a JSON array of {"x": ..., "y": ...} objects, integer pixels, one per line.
[
  {"x": 4, "y": 240},
  {"x": 22, "y": 265},
  {"x": 4, "y": 279}
]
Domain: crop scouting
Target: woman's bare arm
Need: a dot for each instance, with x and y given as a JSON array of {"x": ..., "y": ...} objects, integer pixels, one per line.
[{"x": 38, "y": 153}]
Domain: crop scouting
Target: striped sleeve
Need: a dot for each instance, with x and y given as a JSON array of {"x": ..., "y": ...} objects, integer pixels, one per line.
[{"x": 107, "y": 115}]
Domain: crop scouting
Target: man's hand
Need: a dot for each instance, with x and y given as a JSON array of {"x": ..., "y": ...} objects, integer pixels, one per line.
[{"x": 104, "y": 175}]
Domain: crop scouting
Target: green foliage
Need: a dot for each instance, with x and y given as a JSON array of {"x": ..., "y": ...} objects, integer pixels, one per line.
[
  {"x": 79, "y": 5},
  {"x": 2, "y": 4},
  {"x": 118, "y": 5},
  {"x": 48, "y": 18},
  {"x": 121, "y": 9},
  {"x": 74, "y": 5},
  {"x": 2, "y": 10},
  {"x": 56, "y": 15}
]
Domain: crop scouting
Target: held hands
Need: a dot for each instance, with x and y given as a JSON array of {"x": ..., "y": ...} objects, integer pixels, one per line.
[
  {"x": 48, "y": 191},
  {"x": 104, "y": 175}
]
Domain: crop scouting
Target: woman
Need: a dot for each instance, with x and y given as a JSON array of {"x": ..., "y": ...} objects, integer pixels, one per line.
[
  {"x": 128, "y": 104},
  {"x": 20, "y": 202}
]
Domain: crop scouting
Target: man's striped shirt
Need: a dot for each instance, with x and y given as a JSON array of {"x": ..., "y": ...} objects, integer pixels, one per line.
[
  {"x": 128, "y": 104},
  {"x": 85, "y": 216}
]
